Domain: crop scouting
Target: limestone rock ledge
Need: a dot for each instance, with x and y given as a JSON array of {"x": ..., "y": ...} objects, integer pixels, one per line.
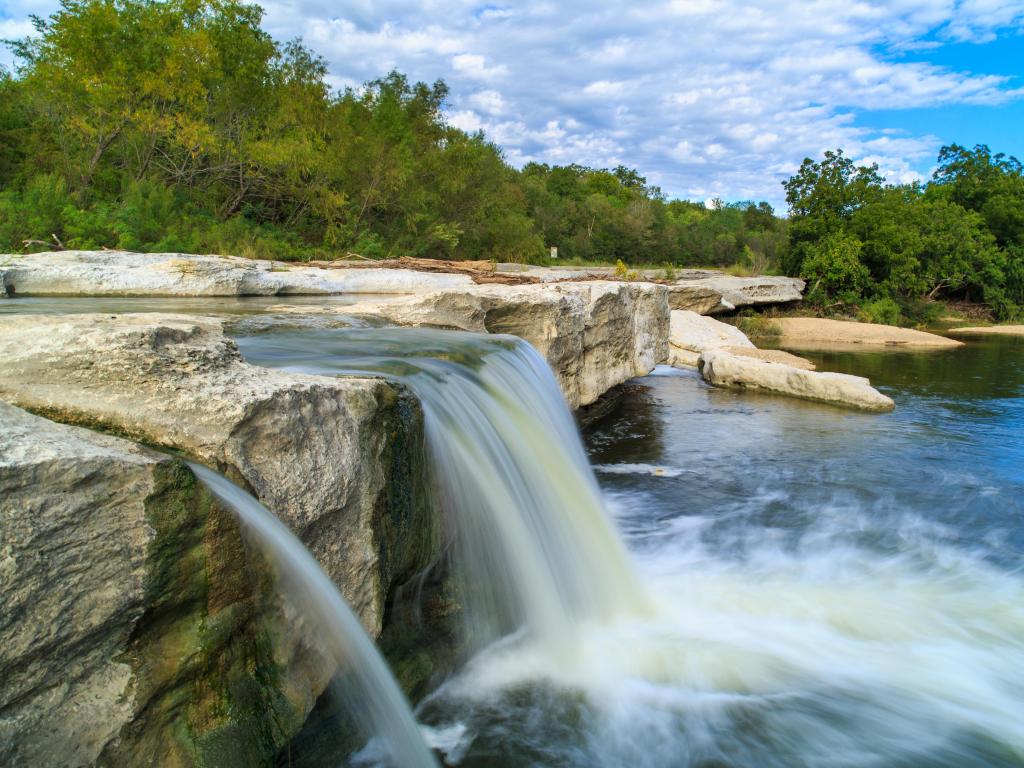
[
  {"x": 691, "y": 333},
  {"x": 725, "y": 293},
  {"x": 120, "y": 273},
  {"x": 134, "y": 627},
  {"x": 595, "y": 335},
  {"x": 339, "y": 460}
]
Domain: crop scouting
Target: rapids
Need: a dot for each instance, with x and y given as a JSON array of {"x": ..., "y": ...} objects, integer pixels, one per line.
[{"x": 806, "y": 586}]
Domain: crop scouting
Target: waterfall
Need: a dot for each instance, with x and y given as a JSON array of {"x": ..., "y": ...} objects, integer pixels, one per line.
[
  {"x": 536, "y": 549},
  {"x": 382, "y": 710}
]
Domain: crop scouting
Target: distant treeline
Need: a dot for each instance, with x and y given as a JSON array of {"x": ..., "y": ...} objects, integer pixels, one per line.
[{"x": 181, "y": 125}]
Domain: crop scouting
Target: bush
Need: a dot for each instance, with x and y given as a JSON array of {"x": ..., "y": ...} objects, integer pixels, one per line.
[
  {"x": 833, "y": 268},
  {"x": 884, "y": 311}
]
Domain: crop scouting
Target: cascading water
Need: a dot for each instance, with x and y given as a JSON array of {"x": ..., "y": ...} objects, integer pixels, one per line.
[
  {"x": 381, "y": 709},
  {"x": 781, "y": 625},
  {"x": 536, "y": 548}
]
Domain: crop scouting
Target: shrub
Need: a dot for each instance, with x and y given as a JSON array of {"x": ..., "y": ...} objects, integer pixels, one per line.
[
  {"x": 884, "y": 311},
  {"x": 833, "y": 268}
]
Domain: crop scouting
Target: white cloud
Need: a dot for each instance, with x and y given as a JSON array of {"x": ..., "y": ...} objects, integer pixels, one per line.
[
  {"x": 475, "y": 66},
  {"x": 706, "y": 97}
]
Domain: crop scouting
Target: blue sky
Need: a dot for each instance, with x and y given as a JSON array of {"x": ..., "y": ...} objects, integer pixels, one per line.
[{"x": 705, "y": 97}]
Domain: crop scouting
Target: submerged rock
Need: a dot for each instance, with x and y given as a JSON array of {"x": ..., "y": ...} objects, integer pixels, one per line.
[
  {"x": 724, "y": 369},
  {"x": 340, "y": 460},
  {"x": 691, "y": 334},
  {"x": 134, "y": 627}
]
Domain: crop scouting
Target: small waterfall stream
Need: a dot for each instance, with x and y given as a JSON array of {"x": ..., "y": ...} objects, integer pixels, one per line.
[
  {"x": 381, "y": 711},
  {"x": 536, "y": 549}
]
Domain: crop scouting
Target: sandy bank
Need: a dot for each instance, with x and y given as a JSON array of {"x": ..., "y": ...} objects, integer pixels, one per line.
[
  {"x": 990, "y": 330},
  {"x": 814, "y": 330}
]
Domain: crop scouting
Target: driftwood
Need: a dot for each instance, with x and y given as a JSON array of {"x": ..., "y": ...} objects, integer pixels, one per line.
[
  {"x": 481, "y": 272},
  {"x": 55, "y": 245}
]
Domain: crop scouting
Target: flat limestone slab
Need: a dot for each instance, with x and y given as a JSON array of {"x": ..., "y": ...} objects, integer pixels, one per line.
[
  {"x": 815, "y": 330},
  {"x": 122, "y": 273},
  {"x": 990, "y": 330},
  {"x": 723, "y": 369},
  {"x": 335, "y": 458},
  {"x": 691, "y": 333},
  {"x": 735, "y": 292},
  {"x": 772, "y": 356}
]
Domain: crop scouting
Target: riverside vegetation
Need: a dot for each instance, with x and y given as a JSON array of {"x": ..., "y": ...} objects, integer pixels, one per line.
[{"x": 183, "y": 126}]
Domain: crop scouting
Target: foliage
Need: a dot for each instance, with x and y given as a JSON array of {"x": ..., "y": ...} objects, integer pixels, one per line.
[
  {"x": 596, "y": 215},
  {"x": 182, "y": 125},
  {"x": 758, "y": 326},
  {"x": 833, "y": 267},
  {"x": 961, "y": 237},
  {"x": 884, "y": 311}
]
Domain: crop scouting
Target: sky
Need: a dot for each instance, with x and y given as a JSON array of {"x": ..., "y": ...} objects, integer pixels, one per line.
[{"x": 706, "y": 98}]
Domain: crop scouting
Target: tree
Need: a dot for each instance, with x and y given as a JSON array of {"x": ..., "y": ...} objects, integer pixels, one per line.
[{"x": 822, "y": 197}]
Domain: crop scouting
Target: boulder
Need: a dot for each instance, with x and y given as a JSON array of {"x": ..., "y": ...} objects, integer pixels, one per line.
[
  {"x": 691, "y": 334},
  {"x": 121, "y": 273},
  {"x": 734, "y": 292},
  {"x": 340, "y": 460},
  {"x": 131, "y": 616},
  {"x": 595, "y": 334},
  {"x": 815, "y": 331},
  {"x": 724, "y": 369}
]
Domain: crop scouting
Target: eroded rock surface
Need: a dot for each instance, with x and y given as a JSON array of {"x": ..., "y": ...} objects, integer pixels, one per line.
[
  {"x": 734, "y": 292},
  {"x": 120, "y": 273},
  {"x": 773, "y": 356},
  {"x": 723, "y": 369},
  {"x": 134, "y": 626},
  {"x": 340, "y": 460}
]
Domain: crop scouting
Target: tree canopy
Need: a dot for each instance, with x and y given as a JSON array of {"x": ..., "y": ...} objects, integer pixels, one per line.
[{"x": 859, "y": 240}]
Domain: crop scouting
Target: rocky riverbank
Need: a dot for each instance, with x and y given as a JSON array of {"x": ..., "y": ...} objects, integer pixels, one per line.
[{"x": 151, "y": 646}]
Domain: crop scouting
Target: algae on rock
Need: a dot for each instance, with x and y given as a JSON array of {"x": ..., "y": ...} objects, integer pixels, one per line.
[{"x": 136, "y": 628}]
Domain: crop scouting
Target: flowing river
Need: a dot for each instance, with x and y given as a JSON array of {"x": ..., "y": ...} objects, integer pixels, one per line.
[{"x": 805, "y": 586}]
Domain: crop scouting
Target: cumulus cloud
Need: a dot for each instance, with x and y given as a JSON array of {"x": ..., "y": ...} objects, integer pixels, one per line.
[{"x": 706, "y": 97}]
